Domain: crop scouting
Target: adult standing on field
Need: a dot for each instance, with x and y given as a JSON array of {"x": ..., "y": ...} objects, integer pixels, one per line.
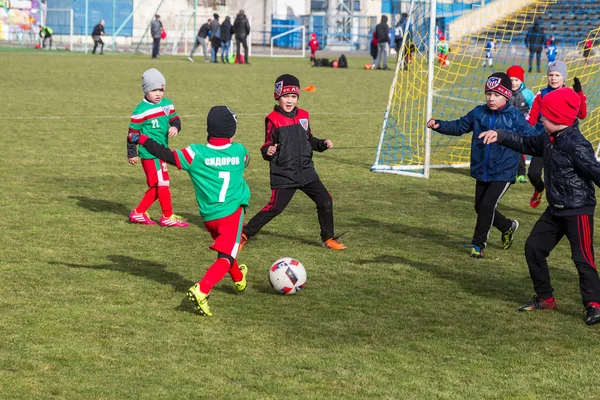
[
  {"x": 226, "y": 32},
  {"x": 215, "y": 37},
  {"x": 241, "y": 27},
  {"x": 201, "y": 41},
  {"x": 535, "y": 40},
  {"x": 382, "y": 31},
  {"x": 97, "y": 36},
  {"x": 156, "y": 30}
]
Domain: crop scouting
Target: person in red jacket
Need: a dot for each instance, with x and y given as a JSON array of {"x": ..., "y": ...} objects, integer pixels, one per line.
[
  {"x": 557, "y": 76},
  {"x": 314, "y": 46},
  {"x": 289, "y": 145}
]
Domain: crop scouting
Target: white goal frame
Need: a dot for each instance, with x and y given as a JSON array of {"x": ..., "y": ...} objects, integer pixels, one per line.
[
  {"x": 300, "y": 28},
  {"x": 70, "y": 11}
]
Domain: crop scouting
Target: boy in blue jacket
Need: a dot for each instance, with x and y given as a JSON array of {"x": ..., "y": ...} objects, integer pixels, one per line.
[
  {"x": 493, "y": 166},
  {"x": 570, "y": 171}
]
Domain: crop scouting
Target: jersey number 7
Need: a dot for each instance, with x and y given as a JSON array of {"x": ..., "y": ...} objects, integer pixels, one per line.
[{"x": 225, "y": 176}]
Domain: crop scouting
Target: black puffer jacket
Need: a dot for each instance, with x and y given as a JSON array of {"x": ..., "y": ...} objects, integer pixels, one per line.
[
  {"x": 570, "y": 168},
  {"x": 292, "y": 165}
]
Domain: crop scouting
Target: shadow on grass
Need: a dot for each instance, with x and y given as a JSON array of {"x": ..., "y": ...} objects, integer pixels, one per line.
[
  {"x": 98, "y": 205},
  {"x": 447, "y": 197},
  {"x": 474, "y": 280},
  {"x": 143, "y": 268}
]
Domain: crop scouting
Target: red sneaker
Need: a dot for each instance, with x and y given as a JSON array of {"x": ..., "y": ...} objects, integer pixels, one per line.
[
  {"x": 173, "y": 220},
  {"x": 535, "y": 199}
]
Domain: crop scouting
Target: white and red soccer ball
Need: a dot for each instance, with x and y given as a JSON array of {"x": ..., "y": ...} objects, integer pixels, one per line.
[{"x": 287, "y": 276}]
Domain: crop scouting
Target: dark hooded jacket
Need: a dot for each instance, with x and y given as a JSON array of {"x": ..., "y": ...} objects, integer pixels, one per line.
[{"x": 383, "y": 31}]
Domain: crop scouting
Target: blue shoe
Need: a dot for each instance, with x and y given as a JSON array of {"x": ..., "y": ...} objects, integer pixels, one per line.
[{"x": 476, "y": 251}]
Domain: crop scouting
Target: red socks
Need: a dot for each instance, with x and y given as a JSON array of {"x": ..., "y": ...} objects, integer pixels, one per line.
[
  {"x": 163, "y": 194},
  {"x": 235, "y": 273},
  {"x": 215, "y": 273}
]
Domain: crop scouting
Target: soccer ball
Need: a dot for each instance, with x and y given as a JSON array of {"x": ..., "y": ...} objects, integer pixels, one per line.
[
  {"x": 446, "y": 63},
  {"x": 368, "y": 66},
  {"x": 287, "y": 276}
]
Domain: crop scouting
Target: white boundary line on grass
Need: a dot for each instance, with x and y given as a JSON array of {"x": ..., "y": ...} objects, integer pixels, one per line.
[{"x": 182, "y": 116}]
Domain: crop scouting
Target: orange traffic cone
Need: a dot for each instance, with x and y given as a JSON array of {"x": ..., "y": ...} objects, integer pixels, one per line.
[{"x": 310, "y": 88}]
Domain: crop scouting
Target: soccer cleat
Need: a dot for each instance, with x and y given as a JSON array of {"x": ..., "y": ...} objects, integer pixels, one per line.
[
  {"x": 241, "y": 285},
  {"x": 243, "y": 241},
  {"x": 140, "y": 218},
  {"x": 535, "y": 199},
  {"x": 509, "y": 235},
  {"x": 333, "y": 244},
  {"x": 476, "y": 251},
  {"x": 592, "y": 313},
  {"x": 538, "y": 304},
  {"x": 522, "y": 179},
  {"x": 191, "y": 59},
  {"x": 173, "y": 220},
  {"x": 200, "y": 300}
]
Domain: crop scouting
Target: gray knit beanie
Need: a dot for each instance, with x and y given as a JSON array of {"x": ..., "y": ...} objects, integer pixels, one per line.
[
  {"x": 152, "y": 80},
  {"x": 559, "y": 67}
]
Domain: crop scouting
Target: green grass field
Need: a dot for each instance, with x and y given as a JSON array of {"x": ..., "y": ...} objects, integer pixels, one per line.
[{"x": 93, "y": 307}]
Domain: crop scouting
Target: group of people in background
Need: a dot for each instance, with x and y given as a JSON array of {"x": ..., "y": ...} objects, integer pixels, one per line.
[{"x": 220, "y": 36}]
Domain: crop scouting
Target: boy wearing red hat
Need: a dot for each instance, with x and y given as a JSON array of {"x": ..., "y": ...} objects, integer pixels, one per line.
[
  {"x": 288, "y": 147},
  {"x": 570, "y": 172},
  {"x": 522, "y": 98},
  {"x": 314, "y": 46},
  {"x": 494, "y": 167}
]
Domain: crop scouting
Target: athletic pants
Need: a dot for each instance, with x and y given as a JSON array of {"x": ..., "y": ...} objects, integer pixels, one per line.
[
  {"x": 522, "y": 165},
  {"x": 535, "y": 173},
  {"x": 487, "y": 197},
  {"x": 546, "y": 234},
  {"x": 243, "y": 42},
  {"x": 280, "y": 199}
]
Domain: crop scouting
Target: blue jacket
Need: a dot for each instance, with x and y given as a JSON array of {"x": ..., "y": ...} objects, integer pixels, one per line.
[{"x": 492, "y": 162}]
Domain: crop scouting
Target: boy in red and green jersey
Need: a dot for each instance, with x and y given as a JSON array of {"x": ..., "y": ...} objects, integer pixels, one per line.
[
  {"x": 216, "y": 170},
  {"x": 155, "y": 117}
]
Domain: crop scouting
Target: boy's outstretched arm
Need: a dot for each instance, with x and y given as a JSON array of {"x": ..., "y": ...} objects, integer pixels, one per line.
[
  {"x": 531, "y": 145},
  {"x": 454, "y": 128},
  {"x": 164, "y": 153}
]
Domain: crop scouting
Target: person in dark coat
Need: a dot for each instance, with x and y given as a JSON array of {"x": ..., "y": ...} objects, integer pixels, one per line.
[
  {"x": 535, "y": 40},
  {"x": 215, "y": 37},
  {"x": 383, "y": 43},
  {"x": 201, "y": 41},
  {"x": 156, "y": 30},
  {"x": 97, "y": 33},
  {"x": 226, "y": 32},
  {"x": 241, "y": 27}
]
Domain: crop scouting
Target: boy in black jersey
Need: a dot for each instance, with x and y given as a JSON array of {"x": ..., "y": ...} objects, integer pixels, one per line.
[{"x": 288, "y": 147}]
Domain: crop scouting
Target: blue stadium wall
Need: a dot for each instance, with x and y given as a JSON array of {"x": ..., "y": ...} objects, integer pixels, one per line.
[{"x": 97, "y": 10}]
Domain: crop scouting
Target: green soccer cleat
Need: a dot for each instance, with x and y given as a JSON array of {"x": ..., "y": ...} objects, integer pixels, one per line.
[
  {"x": 522, "y": 179},
  {"x": 242, "y": 285},
  {"x": 509, "y": 235},
  {"x": 200, "y": 300}
]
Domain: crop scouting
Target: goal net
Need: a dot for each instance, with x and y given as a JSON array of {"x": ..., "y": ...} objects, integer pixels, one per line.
[
  {"x": 430, "y": 85},
  {"x": 290, "y": 43},
  {"x": 61, "y": 22}
]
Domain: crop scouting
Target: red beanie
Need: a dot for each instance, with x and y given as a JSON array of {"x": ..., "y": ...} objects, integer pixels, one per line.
[
  {"x": 561, "y": 106},
  {"x": 516, "y": 71}
]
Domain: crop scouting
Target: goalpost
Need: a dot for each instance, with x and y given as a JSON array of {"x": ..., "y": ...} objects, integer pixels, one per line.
[
  {"x": 291, "y": 43},
  {"x": 426, "y": 86},
  {"x": 61, "y": 22}
]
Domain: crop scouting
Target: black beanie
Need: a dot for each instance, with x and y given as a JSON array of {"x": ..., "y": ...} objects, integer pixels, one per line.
[
  {"x": 500, "y": 83},
  {"x": 286, "y": 84},
  {"x": 221, "y": 122}
]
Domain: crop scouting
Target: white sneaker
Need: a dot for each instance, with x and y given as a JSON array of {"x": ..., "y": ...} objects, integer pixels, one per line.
[{"x": 191, "y": 59}]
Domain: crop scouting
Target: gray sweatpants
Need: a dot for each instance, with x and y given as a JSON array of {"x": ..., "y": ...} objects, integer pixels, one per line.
[
  {"x": 200, "y": 41},
  {"x": 382, "y": 55}
]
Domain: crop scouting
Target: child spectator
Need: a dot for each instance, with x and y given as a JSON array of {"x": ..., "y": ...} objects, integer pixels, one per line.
[
  {"x": 216, "y": 170},
  {"x": 155, "y": 117},
  {"x": 490, "y": 46},
  {"x": 571, "y": 171},
  {"x": 373, "y": 49},
  {"x": 587, "y": 49},
  {"x": 289, "y": 145},
  {"x": 442, "y": 51},
  {"x": 493, "y": 166},
  {"x": 522, "y": 98},
  {"x": 551, "y": 50},
  {"x": 557, "y": 75},
  {"x": 314, "y": 46}
]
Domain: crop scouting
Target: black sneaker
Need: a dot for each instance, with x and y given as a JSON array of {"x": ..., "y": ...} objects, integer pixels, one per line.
[
  {"x": 538, "y": 304},
  {"x": 592, "y": 314},
  {"x": 509, "y": 235}
]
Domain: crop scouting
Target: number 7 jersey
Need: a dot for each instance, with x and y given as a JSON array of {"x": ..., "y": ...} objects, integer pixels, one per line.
[{"x": 217, "y": 173}]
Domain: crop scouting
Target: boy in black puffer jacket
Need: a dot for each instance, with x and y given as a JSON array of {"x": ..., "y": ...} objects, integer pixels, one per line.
[
  {"x": 493, "y": 166},
  {"x": 570, "y": 172},
  {"x": 289, "y": 146}
]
